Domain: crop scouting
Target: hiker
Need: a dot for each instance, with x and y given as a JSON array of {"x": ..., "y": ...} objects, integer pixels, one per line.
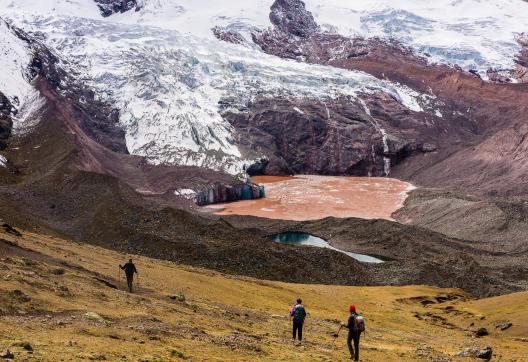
[
  {"x": 298, "y": 313},
  {"x": 355, "y": 325},
  {"x": 129, "y": 269}
]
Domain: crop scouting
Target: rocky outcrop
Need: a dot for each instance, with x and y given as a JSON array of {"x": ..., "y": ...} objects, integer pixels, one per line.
[
  {"x": 291, "y": 16},
  {"x": 520, "y": 73},
  {"x": 258, "y": 168},
  {"x": 110, "y": 7},
  {"x": 484, "y": 353},
  {"x": 6, "y": 124},
  {"x": 227, "y": 35},
  {"x": 333, "y": 136}
]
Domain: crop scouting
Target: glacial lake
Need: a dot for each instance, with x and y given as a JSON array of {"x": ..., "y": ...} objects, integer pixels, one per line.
[
  {"x": 299, "y": 238},
  {"x": 307, "y": 197}
]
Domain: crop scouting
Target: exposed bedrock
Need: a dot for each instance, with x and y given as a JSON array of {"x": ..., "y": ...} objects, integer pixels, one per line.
[
  {"x": 291, "y": 16},
  {"x": 110, "y": 7},
  {"x": 475, "y": 114},
  {"x": 521, "y": 71},
  {"x": 6, "y": 123},
  {"x": 336, "y": 136}
]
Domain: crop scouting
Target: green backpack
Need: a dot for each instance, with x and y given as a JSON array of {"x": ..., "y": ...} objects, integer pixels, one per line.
[{"x": 299, "y": 313}]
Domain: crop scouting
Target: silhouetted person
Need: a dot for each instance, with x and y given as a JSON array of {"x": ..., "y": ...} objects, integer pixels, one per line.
[
  {"x": 355, "y": 325},
  {"x": 298, "y": 313},
  {"x": 129, "y": 269}
]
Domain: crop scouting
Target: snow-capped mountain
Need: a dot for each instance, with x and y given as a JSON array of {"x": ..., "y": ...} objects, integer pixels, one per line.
[
  {"x": 221, "y": 84},
  {"x": 169, "y": 80},
  {"x": 474, "y": 34}
]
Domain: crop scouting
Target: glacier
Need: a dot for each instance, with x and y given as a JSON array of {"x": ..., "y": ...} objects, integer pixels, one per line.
[
  {"x": 169, "y": 83},
  {"x": 171, "y": 79},
  {"x": 15, "y": 77},
  {"x": 473, "y": 34}
]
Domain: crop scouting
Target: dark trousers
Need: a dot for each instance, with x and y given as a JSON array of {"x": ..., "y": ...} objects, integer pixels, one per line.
[
  {"x": 297, "y": 328},
  {"x": 354, "y": 351},
  {"x": 130, "y": 279}
]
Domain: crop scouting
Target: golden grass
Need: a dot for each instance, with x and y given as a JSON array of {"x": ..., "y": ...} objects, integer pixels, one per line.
[{"x": 224, "y": 317}]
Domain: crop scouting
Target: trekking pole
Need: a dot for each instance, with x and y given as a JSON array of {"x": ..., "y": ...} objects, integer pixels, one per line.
[{"x": 337, "y": 335}]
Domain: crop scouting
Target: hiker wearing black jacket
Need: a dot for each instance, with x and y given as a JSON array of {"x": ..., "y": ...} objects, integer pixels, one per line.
[
  {"x": 354, "y": 332},
  {"x": 129, "y": 269},
  {"x": 298, "y": 313}
]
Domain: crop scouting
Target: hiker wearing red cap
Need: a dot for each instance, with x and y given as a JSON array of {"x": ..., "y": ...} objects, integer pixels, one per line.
[{"x": 355, "y": 325}]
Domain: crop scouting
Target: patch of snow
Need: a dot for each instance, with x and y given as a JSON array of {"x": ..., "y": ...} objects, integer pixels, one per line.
[
  {"x": 187, "y": 193},
  {"x": 3, "y": 161},
  {"x": 27, "y": 116},
  {"x": 474, "y": 34},
  {"x": 296, "y": 109},
  {"x": 438, "y": 113}
]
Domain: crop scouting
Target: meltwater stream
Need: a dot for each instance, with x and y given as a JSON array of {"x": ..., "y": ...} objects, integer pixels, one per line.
[{"x": 298, "y": 238}]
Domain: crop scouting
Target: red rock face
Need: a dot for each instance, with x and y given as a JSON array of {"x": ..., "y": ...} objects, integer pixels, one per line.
[{"x": 475, "y": 114}]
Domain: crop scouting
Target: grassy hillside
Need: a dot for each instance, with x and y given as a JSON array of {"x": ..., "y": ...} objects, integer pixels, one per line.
[{"x": 182, "y": 313}]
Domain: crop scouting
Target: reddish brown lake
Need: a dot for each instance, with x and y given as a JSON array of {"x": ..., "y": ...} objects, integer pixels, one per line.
[{"x": 316, "y": 197}]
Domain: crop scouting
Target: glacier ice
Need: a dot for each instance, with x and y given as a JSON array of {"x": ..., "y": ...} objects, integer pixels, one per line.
[
  {"x": 474, "y": 34},
  {"x": 15, "y": 77},
  {"x": 169, "y": 80}
]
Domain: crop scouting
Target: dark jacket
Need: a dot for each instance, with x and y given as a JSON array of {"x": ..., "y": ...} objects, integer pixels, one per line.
[
  {"x": 129, "y": 269},
  {"x": 351, "y": 325}
]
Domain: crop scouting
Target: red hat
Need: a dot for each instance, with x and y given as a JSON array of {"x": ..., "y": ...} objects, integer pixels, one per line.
[{"x": 352, "y": 308}]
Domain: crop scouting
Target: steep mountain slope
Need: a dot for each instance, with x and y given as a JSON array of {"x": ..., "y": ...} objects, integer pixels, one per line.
[
  {"x": 196, "y": 87},
  {"x": 67, "y": 302},
  {"x": 173, "y": 85},
  {"x": 473, "y": 112}
]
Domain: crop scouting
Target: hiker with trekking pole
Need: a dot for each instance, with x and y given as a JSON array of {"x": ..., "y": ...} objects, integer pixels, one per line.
[
  {"x": 355, "y": 326},
  {"x": 129, "y": 269},
  {"x": 297, "y": 316}
]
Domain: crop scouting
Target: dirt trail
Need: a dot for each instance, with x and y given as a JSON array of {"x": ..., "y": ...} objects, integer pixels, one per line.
[{"x": 315, "y": 197}]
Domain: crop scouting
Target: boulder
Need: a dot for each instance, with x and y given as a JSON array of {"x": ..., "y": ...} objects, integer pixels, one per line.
[
  {"x": 481, "y": 332},
  {"x": 20, "y": 295},
  {"x": 11, "y": 230},
  {"x": 94, "y": 317},
  {"x": 504, "y": 326},
  {"x": 485, "y": 353},
  {"x": 8, "y": 354}
]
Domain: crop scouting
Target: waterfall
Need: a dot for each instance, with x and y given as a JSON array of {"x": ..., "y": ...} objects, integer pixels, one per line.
[{"x": 384, "y": 137}]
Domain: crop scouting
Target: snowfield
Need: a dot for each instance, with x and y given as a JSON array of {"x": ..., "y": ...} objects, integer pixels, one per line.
[
  {"x": 15, "y": 79},
  {"x": 475, "y": 34},
  {"x": 171, "y": 78}
]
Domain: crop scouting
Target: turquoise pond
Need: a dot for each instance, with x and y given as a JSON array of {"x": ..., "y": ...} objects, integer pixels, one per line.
[{"x": 299, "y": 238}]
